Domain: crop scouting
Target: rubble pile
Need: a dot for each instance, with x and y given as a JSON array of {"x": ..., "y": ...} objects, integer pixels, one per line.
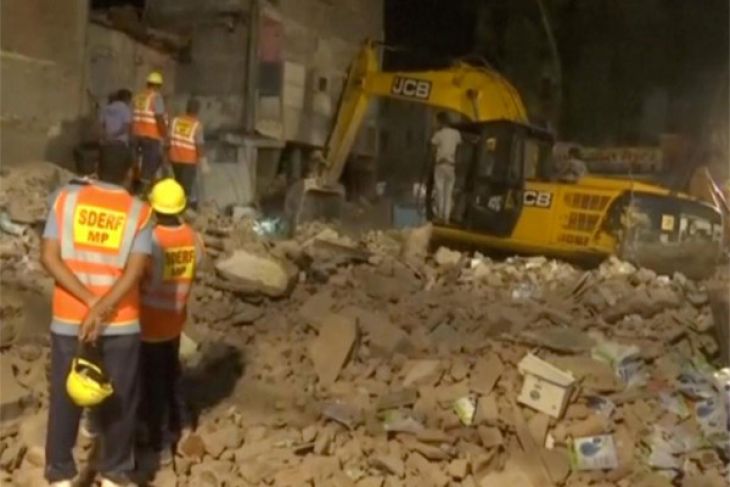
[{"x": 326, "y": 360}]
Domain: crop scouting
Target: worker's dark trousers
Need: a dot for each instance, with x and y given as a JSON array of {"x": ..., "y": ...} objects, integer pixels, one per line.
[
  {"x": 161, "y": 410},
  {"x": 186, "y": 174},
  {"x": 116, "y": 416},
  {"x": 151, "y": 152}
]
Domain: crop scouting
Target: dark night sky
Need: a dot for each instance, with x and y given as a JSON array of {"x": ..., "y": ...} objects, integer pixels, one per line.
[
  {"x": 431, "y": 32},
  {"x": 615, "y": 53}
]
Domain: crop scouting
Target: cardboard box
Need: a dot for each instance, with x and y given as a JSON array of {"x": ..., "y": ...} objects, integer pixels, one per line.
[{"x": 546, "y": 387}]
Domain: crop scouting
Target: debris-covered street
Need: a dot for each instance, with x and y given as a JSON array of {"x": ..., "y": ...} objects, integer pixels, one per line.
[
  {"x": 365, "y": 243},
  {"x": 326, "y": 360}
]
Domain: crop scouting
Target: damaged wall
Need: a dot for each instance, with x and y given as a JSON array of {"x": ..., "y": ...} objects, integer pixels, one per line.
[
  {"x": 42, "y": 72},
  {"x": 215, "y": 71},
  {"x": 319, "y": 40},
  {"x": 114, "y": 61}
]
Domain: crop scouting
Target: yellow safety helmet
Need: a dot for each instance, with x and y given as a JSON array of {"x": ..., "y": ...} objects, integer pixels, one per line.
[
  {"x": 168, "y": 197},
  {"x": 155, "y": 78},
  {"x": 86, "y": 384}
]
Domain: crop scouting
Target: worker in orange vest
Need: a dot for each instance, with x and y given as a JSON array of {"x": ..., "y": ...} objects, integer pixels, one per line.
[
  {"x": 96, "y": 243},
  {"x": 149, "y": 127},
  {"x": 176, "y": 253},
  {"x": 186, "y": 153}
]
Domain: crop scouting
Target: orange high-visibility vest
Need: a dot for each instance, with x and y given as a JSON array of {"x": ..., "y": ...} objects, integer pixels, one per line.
[
  {"x": 166, "y": 287},
  {"x": 97, "y": 227},
  {"x": 182, "y": 140},
  {"x": 144, "y": 122}
]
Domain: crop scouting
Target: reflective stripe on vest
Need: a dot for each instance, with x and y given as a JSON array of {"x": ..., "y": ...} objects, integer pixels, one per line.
[
  {"x": 96, "y": 240},
  {"x": 182, "y": 140},
  {"x": 144, "y": 121},
  {"x": 166, "y": 288}
]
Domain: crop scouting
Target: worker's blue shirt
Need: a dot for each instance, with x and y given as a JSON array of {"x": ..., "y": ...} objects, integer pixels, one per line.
[{"x": 114, "y": 117}]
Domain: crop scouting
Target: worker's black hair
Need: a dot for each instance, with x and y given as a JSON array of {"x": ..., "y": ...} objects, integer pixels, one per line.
[
  {"x": 193, "y": 106},
  {"x": 124, "y": 95},
  {"x": 114, "y": 163},
  {"x": 167, "y": 220},
  {"x": 442, "y": 118},
  {"x": 574, "y": 152},
  {"x": 86, "y": 158}
]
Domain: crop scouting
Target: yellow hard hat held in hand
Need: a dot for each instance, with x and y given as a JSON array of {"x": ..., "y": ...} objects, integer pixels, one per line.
[
  {"x": 87, "y": 384},
  {"x": 167, "y": 197},
  {"x": 154, "y": 78}
]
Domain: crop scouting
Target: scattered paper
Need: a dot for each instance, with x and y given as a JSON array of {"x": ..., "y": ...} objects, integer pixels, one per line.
[{"x": 594, "y": 453}]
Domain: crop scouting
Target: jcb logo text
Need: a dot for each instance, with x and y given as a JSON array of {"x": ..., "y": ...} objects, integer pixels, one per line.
[
  {"x": 411, "y": 87},
  {"x": 540, "y": 199}
]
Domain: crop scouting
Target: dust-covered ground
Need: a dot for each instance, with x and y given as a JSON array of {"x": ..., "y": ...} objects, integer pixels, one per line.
[{"x": 324, "y": 360}]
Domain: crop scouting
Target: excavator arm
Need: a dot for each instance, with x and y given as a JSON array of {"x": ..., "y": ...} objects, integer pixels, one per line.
[{"x": 478, "y": 94}]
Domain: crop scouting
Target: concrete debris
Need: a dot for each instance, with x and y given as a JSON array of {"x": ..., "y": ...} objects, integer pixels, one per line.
[
  {"x": 331, "y": 349},
  {"x": 363, "y": 362},
  {"x": 272, "y": 277},
  {"x": 446, "y": 257},
  {"x": 26, "y": 189},
  {"x": 14, "y": 397}
]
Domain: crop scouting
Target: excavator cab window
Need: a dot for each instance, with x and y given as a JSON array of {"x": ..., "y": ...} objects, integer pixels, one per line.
[
  {"x": 537, "y": 157},
  {"x": 490, "y": 197},
  {"x": 493, "y": 163}
]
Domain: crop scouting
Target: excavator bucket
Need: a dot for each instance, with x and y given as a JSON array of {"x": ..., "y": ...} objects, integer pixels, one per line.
[
  {"x": 308, "y": 201},
  {"x": 695, "y": 247}
]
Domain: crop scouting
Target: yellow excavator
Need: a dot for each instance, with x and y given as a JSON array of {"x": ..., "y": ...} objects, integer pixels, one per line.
[{"x": 510, "y": 197}]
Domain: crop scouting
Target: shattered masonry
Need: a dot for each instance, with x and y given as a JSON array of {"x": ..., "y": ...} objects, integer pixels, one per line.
[{"x": 330, "y": 361}]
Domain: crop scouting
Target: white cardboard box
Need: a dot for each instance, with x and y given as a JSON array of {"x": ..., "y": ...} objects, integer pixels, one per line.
[{"x": 546, "y": 387}]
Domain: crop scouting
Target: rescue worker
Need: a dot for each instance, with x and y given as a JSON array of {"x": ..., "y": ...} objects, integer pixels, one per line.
[
  {"x": 176, "y": 253},
  {"x": 96, "y": 244},
  {"x": 573, "y": 168},
  {"x": 444, "y": 142},
  {"x": 186, "y": 153},
  {"x": 116, "y": 118},
  {"x": 149, "y": 128}
]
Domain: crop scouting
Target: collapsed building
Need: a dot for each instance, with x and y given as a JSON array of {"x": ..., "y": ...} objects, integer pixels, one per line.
[
  {"x": 268, "y": 75},
  {"x": 327, "y": 359}
]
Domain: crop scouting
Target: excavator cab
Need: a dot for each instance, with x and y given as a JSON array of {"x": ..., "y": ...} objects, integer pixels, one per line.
[
  {"x": 510, "y": 196},
  {"x": 494, "y": 161}
]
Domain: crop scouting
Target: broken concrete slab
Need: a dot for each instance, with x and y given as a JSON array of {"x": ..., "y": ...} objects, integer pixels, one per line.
[
  {"x": 384, "y": 337},
  {"x": 316, "y": 307},
  {"x": 330, "y": 350},
  {"x": 397, "y": 399},
  {"x": 516, "y": 472},
  {"x": 487, "y": 410},
  {"x": 559, "y": 339},
  {"x": 388, "y": 463},
  {"x": 458, "y": 469},
  {"x": 14, "y": 397},
  {"x": 592, "y": 373},
  {"x": 429, "y": 471},
  {"x": 216, "y": 440},
  {"x": 417, "y": 371},
  {"x": 346, "y": 414},
  {"x": 263, "y": 273},
  {"x": 446, "y": 257},
  {"x": 485, "y": 374},
  {"x": 490, "y": 437},
  {"x": 32, "y": 434}
]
